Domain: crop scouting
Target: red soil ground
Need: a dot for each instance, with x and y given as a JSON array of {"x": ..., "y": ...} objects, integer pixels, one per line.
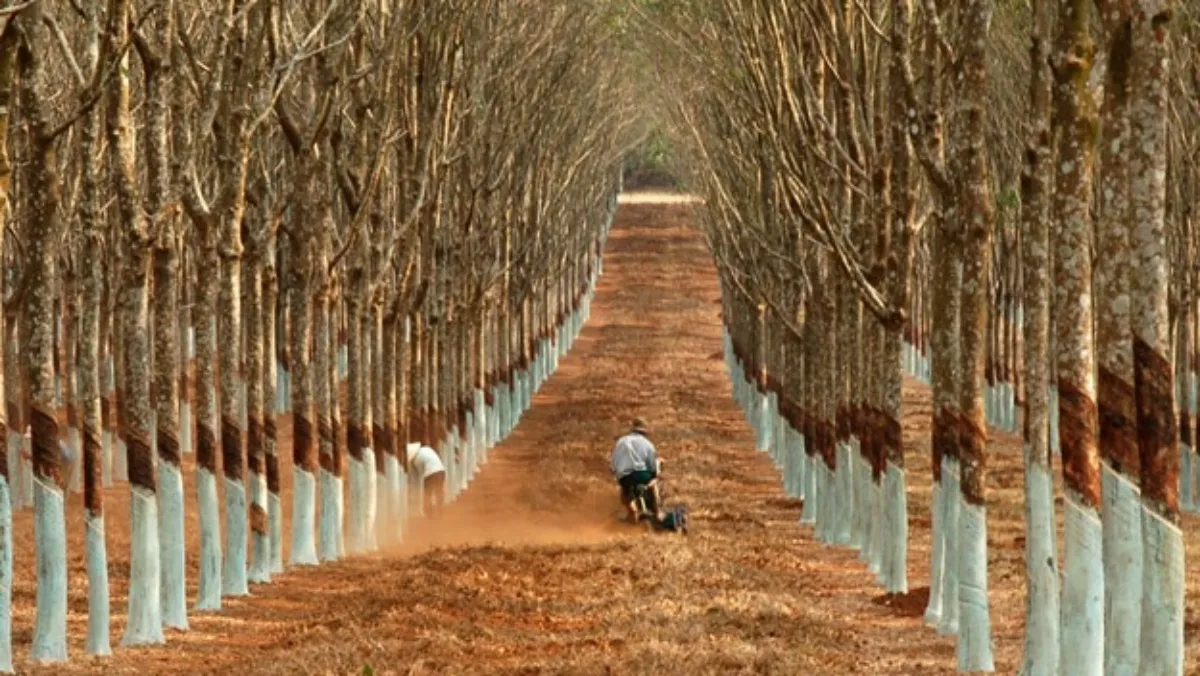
[{"x": 530, "y": 572}]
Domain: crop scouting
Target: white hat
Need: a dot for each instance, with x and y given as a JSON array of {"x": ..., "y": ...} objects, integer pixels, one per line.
[{"x": 412, "y": 451}]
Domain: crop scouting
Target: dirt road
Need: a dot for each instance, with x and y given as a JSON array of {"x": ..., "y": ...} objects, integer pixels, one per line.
[{"x": 530, "y": 572}]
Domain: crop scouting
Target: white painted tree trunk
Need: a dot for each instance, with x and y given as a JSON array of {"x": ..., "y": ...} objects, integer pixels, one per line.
[
  {"x": 844, "y": 514},
  {"x": 762, "y": 422},
  {"x": 483, "y": 419},
  {"x": 260, "y": 567},
  {"x": 950, "y": 546},
  {"x": 394, "y": 524},
  {"x": 788, "y": 446},
  {"x": 354, "y": 519},
  {"x": 933, "y": 609},
  {"x": 1121, "y": 550},
  {"x": 894, "y": 574},
  {"x": 527, "y": 391},
  {"x": 120, "y": 466},
  {"x": 518, "y": 400},
  {"x": 171, "y": 532},
  {"x": 974, "y": 645},
  {"x": 369, "y": 500},
  {"x": 276, "y": 531},
  {"x": 6, "y": 578},
  {"x": 504, "y": 403},
  {"x": 1041, "y": 552},
  {"x": 233, "y": 573},
  {"x": 469, "y": 453},
  {"x": 331, "y": 510},
  {"x": 185, "y": 425},
  {"x": 801, "y": 467},
  {"x": 495, "y": 414},
  {"x": 304, "y": 516},
  {"x": 868, "y": 553},
  {"x": 875, "y": 563},
  {"x": 208, "y": 596},
  {"x": 825, "y": 505},
  {"x": 774, "y": 425},
  {"x": 1163, "y": 582},
  {"x": 860, "y": 496},
  {"x": 1162, "y": 614},
  {"x": 283, "y": 392},
  {"x": 144, "y": 622},
  {"x": 1083, "y": 588},
  {"x": 808, "y": 514}
]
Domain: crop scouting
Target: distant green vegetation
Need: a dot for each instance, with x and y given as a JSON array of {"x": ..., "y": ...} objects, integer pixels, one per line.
[{"x": 652, "y": 164}]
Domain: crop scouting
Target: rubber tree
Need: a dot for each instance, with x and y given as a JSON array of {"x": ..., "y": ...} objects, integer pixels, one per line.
[
  {"x": 9, "y": 42},
  {"x": 1076, "y": 117},
  {"x": 193, "y": 125},
  {"x": 91, "y": 264},
  {"x": 156, "y": 60},
  {"x": 977, "y": 220},
  {"x": 1041, "y": 651},
  {"x": 145, "y": 623},
  {"x": 308, "y": 223},
  {"x": 1162, "y": 612}
]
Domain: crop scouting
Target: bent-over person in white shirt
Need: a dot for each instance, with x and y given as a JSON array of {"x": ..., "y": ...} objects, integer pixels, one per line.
[
  {"x": 635, "y": 463},
  {"x": 424, "y": 464}
]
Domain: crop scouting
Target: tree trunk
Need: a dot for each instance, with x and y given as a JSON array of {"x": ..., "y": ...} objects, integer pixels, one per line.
[
  {"x": 145, "y": 620},
  {"x": 944, "y": 371},
  {"x": 50, "y": 639},
  {"x": 171, "y": 526},
  {"x": 386, "y": 434},
  {"x": 69, "y": 320},
  {"x": 337, "y": 507},
  {"x": 305, "y": 380},
  {"x": 1117, "y": 409},
  {"x": 843, "y": 374},
  {"x": 1162, "y": 638},
  {"x": 270, "y": 286},
  {"x": 91, "y": 264},
  {"x": 322, "y": 379},
  {"x": 1083, "y": 594},
  {"x": 187, "y": 353},
  {"x": 899, "y": 272},
  {"x": 259, "y": 505},
  {"x": 1041, "y": 552},
  {"x": 15, "y": 441},
  {"x": 233, "y": 455},
  {"x": 977, "y": 218},
  {"x": 368, "y": 473},
  {"x": 208, "y": 595},
  {"x": 356, "y": 434},
  {"x": 97, "y": 613},
  {"x": 119, "y": 390}
]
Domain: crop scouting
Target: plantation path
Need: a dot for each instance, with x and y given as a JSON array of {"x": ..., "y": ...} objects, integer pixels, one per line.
[{"x": 530, "y": 572}]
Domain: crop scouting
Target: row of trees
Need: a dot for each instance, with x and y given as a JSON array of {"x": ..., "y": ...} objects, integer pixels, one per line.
[
  {"x": 379, "y": 218},
  {"x": 889, "y": 170}
]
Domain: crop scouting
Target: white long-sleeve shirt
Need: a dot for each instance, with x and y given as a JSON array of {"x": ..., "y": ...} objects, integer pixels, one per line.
[
  {"x": 633, "y": 453},
  {"x": 423, "y": 461}
]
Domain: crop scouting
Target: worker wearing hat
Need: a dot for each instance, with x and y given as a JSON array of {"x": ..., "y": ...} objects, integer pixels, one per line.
[{"x": 635, "y": 463}]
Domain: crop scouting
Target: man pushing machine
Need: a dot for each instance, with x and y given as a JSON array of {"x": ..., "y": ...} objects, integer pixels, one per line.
[{"x": 635, "y": 463}]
